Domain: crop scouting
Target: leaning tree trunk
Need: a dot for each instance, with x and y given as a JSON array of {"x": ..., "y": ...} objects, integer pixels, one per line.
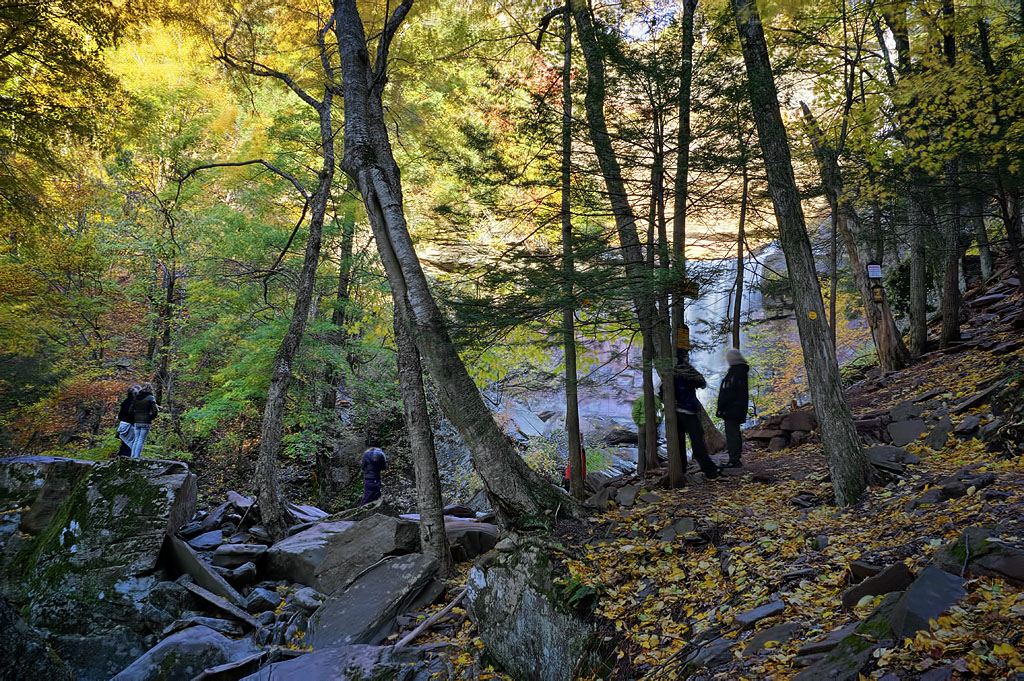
[
  {"x": 433, "y": 539},
  {"x": 519, "y": 496},
  {"x": 572, "y": 407},
  {"x": 846, "y": 461},
  {"x": 273, "y": 508},
  {"x": 892, "y": 353}
]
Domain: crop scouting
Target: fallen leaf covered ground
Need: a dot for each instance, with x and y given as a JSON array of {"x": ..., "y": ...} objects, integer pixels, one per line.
[{"x": 752, "y": 543}]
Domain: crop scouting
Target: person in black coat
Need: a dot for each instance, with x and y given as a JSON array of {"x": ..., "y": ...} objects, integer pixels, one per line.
[
  {"x": 687, "y": 382},
  {"x": 374, "y": 461},
  {"x": 126, "y": 421},
  {"x": 733, "y": 403}
]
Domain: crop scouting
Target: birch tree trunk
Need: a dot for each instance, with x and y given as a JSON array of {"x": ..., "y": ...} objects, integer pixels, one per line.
[
  {"x": 892, "y": 353},
  {"x": 519, "y": 496},
  {"x": 846, "y": 461},
  {"x": 433, "y": 540}
]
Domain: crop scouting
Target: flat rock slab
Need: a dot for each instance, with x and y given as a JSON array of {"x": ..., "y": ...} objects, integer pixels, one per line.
[
  {"x": 226, "y": 627},
  {"x": 189, "y": 563},
  {"x": 236, "y": 555},
  {"x": 932, "y": 593},
  {"x": 355, "y": 662},
  {"x": 829, "y": 642},
  {"x": 184, "y": 655},
  {"x": 627, "y": 495},
  {"x": 968, "y": 425},
  {"x": 328, "y": 555},
  {"x": 889, "y": 453},
  {"x": 221, "y": 604},
  {"x": 207, "y": 541},
  {"x": 896, "y": 577},
  {"x": 366, "y": 611},
  {"x": 751, "y": 617},
  {"x": 906, "y": 410},
  {"x": 905, "y": 432},
  {"x": 780, "y": 633}
]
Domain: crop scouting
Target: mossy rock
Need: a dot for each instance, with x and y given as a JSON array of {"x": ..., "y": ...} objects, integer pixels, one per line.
[
  {"x": 524, "y": 619},
  {"x": 88, "y": 570}
]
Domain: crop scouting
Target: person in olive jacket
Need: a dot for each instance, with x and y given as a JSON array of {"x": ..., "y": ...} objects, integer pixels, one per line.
[
  {"x": 144, "y": 410},
  {"x": 733, "y": 401}
]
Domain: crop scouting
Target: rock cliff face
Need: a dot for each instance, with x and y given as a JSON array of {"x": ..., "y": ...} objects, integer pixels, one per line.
[{"x": 80, "y": 551}]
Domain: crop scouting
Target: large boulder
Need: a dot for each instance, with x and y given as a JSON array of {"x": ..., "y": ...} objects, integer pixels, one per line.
[
  {"x": 367, "y": 611},
  {"x": 329, "y": 554},
  {"x": 184, "y": 655},
  {"x": 355, "y": 663},
  {"x": 529, "y": 629},
  {"x": 86, "y": 574}
]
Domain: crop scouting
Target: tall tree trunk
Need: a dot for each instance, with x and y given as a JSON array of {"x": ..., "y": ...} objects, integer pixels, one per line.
[
  {"x": 737, "y": 311},
  {"x": 625, "y": 220},
  {"x": 741, "y": 238},
  {"x": 163, "y": 373},
  {"x": 273, "y": 508},
  {"x": 519, "y": 496},
  {"x": 951, "y": 272},
  {"x": 892, "y": 353},
  {"x": 918, "y": 281},
  {"x": 572, "y": 407},
  {"x": 433, "y": 539},
  {"x": 846, "y": 461}
]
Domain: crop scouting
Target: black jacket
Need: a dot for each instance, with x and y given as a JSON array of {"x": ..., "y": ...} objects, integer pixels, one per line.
[
  {"x": 125, "y": 412},
  {"x": 144, "y": 408},
  {"x": 687, "y": 382},
  {"x": 373, "y": 463},
  {"x": 734, "y": 395}
]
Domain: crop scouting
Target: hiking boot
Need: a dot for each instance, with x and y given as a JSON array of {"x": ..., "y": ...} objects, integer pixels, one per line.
[{"x": 733, "y": 464}]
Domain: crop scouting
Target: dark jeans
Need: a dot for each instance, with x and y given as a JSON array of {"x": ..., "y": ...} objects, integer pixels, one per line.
[
  {"x": 689, "y": 424},
  {"x": 371, "y": 491},
  {"x": 733, "y": 440}
]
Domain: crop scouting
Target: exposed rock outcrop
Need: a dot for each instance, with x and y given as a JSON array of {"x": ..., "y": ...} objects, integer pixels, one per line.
[{"x": 525, "y": 625}]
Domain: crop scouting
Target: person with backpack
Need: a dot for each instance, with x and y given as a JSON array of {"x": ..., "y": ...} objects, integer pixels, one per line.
[
  {"x": 733, "y": 404},
  {"x": 687, "y": 382},
  {"x": 126, "y": 421},
  {"x": 374, "y": 461},
  {"x": 144, "y": 411}
]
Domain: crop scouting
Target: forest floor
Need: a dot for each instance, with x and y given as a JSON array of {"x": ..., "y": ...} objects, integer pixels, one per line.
[{"x": 772, "y": 533}]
